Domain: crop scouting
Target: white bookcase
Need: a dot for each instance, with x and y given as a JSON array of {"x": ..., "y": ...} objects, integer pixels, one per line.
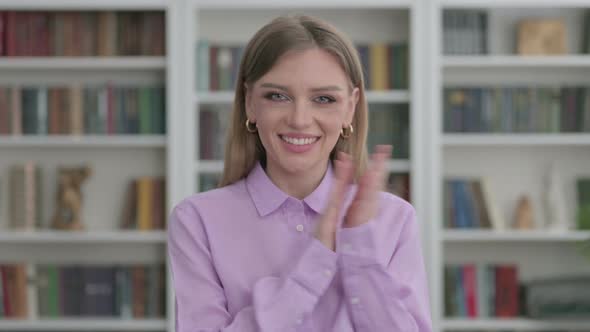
[
  {"x": 114, "y": 159},
  {"x": 514, "y": 163}
]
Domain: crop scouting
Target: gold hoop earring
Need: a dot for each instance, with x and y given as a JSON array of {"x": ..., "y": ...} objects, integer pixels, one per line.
[
  {"x": 248, "y": 128},
  {"x": 347, "y": 134}
]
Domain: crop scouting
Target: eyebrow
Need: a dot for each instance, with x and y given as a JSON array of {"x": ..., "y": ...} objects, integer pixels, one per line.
[{"x": 284, "y": 88}]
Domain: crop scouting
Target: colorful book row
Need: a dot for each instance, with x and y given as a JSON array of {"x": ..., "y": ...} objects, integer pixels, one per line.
[
  {"x": 136, "y": 291},
  {"x": 78, "y": 110},
  {"x": 385, "y": 66},
  {"x": 70, "y": 33},
  {"x": 481, "y": 291},
  {"x": 468, "y": 203},
  {"x": 517, "y": 109}
]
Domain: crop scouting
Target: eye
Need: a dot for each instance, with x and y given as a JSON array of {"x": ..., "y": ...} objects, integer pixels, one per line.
[
  {"x": 325, "y": 100},
  {"x": 274, "y": 96}
]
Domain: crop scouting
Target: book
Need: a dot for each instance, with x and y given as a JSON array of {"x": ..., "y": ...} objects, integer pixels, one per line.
[{"x": 583, "y": 200}]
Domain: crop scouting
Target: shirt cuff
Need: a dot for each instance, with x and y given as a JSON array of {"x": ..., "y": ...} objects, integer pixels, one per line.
[
  {"x": 316, "y": 267},
  {"x": 357, "y": 241}
]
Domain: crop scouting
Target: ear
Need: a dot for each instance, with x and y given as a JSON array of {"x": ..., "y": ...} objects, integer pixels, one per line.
[
  {"x": 354, "y": 99},
  {"x": 248, "y": 104}
]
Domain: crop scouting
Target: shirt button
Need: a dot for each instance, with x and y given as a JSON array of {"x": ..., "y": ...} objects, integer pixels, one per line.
[
  {"x": 327, "y": 273},
  {"x": 354, "y": 300},
  {"x": 299, "y": 321},
  {"x": 299, "y": 228}
]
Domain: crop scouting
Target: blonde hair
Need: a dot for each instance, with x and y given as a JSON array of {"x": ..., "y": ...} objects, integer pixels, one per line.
[{"x": 285, "y": 33}]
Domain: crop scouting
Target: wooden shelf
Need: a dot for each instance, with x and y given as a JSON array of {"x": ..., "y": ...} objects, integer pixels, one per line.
[
  {"x": 470, "y": 139},
  {"x": 227, "y": 97},
  {"x": 515, "y": 61},
  {"x": 83, "y": 63},
  {"x": 515, "y": 324},
  {"x": 83, "y": 324},
  {"x": 111, "y": 141},
  {"x": 478, "y": 235},
  {"x": 65, "y": 237}
]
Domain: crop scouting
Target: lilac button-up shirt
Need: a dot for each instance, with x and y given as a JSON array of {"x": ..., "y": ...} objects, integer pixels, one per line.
[{"x": 244, "y": 259}]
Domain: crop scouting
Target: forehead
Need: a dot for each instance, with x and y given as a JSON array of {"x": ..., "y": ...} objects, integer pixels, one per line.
[{"x": 311, "y": 67}]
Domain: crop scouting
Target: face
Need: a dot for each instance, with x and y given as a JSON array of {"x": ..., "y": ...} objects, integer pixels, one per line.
[{"x": 299, "y": 108}]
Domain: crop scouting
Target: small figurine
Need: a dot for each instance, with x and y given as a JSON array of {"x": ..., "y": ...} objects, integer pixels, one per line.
[
  {"x": 523, "y": 215},
  {"x": 69, "y": 198}
]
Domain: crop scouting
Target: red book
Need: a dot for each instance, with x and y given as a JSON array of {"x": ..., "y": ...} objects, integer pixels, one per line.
[
  {"x": 470, "y": 284},
  {"x": 2, "y": 33},
  {"x": 9, "y": 35},
  {"x": 506, "y": 291}
]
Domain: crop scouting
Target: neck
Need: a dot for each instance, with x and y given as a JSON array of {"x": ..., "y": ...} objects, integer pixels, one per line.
[{"x": 300, "y": 184}]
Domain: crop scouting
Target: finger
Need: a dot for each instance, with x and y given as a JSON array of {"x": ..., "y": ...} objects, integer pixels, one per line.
[
  {"x": 344, "y": 170},
  {"x": 383, "y": 153}
]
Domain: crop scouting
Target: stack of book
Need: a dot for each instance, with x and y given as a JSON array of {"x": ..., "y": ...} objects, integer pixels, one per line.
[
  {"x": 478, "y": 291},
  {"x": 517, "y": 109},
  {"x": 136, "y": 291},
  {"x": 564, "y": 297},
  {"x": 390, "y": 124},
  {"x": 144, "y": 204},
  {"x": 468, "y": 203},
  {"x": 78, "y": 110},
  {"x": 105, "y": 33},
  {"x": 465, "y": 32}
]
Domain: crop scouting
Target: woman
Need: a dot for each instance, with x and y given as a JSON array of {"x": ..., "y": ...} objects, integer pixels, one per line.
[{"x": 288, "y": 243}]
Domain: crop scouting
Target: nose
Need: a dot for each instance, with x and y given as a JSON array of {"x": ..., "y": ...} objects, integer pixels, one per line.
[{"x": 300, "y": 116}]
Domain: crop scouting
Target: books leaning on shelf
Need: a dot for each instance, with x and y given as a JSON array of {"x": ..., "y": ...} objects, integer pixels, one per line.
[
  {"x": 134, "y": 291},
  {"x": 465, "y": 32},
  {"x": 13, "y": 291},
  {"x": 517, "y": 109},
  {"x": 104, "y": 33},
  {"x": 481, "y": 290},
  {"x": 78, "y": 110},
  {"x": 469, "y": 203},
  {"x": 25, "y": 196},
  {"x": 144, "y": 203},
  {"x": 583, "y": 186},
  {"x": 385, "y": 65}
]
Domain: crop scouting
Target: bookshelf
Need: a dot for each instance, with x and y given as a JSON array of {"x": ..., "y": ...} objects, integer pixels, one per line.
[
  {"x": 514, "y": 163},
  {"x": 115, "y": 158}
]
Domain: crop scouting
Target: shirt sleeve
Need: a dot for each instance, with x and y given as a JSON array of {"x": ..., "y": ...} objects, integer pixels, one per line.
[
  {"x": 385, "y": 298},
  {"x": 278, "y": 303}
]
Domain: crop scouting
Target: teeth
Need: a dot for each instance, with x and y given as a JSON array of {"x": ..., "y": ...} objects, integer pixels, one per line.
[{"x": 299, "y": 141}]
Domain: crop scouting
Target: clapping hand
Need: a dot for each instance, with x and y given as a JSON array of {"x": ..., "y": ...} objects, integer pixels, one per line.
[{"x": 365, "y": 204}]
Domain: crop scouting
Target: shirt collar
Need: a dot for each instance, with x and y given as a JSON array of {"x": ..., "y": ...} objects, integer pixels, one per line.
[{"x": 267, "y": 197}]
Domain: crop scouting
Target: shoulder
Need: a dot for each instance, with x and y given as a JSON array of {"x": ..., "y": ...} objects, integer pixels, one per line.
[{"x": 197, "y": 206}]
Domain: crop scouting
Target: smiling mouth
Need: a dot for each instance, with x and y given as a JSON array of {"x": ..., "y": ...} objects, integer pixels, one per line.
[{"x": 299, "y": 141}]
